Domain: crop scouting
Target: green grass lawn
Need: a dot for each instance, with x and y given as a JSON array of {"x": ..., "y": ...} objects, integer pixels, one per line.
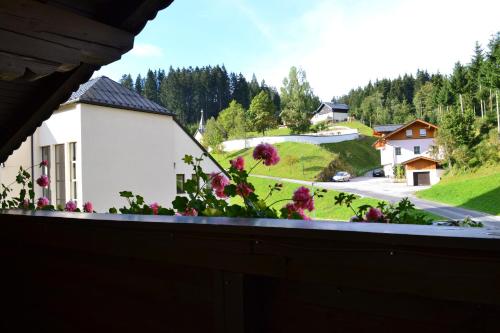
[
  {"x": 479, "y": 190},
  {"x": 325, "y": 207},
  {"x": 358, "y": 154},
  {"x": 362, "y": 128},
  {"x": 305, "y": 161}
]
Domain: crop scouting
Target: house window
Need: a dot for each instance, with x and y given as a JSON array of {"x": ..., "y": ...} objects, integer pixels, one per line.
[
  {"x": 46, "y": 170},
  {"x": 398, "y": 150},
  {"x": 409, "y": 133},
  {"x": 60, "y": 175},
  {"x": 208, "y": 184},
  {"x": 416, "y": 150},
  {"x": 72, "y": 171},
  {"x": 180, "y": 183},
  {"x": 423, "y": 132}
]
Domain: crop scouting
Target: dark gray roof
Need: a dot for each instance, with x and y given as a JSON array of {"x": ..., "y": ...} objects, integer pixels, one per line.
[
  {"x": 106, "y": 92},
  {"x": 327, "y": 107},
  {"x": 386, "y": 128}
]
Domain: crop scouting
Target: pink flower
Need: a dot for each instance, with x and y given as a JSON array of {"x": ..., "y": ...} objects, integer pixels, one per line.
[
  {"x": 292, "y": 208},
  {"x": 88, "y": 207},
  {"x": 42, "y": 202},
  {"x": 154, "y": 206},
  {"x": 303, "y": 199},
  {"x": 267, "y": 153},
  {"x": 26, "y": 204},
  {"x": 243, "y": 189},
  {"x": 218, "y": 182},
  {"x": 238, "y": 163},
  {"x": 190, "y": 212},
  {"x": 70, "y": 206},
  {"x": 44, "y": 163},
  {"x": 43, "y": 181},
  {"x": 374, "y": 214}
]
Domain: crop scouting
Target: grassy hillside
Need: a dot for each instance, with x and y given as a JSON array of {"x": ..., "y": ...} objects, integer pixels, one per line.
[
  {"x": 358, "y": 154},
  {"x": 479, "y": 190},
  {"x": 325, "y": 207},
  {"x": 362, "y": 128},
  {"x": 306, "y": 161}
]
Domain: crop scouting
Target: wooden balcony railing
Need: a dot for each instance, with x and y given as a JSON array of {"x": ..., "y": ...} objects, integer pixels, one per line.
[{"x": 65, "y": 272}]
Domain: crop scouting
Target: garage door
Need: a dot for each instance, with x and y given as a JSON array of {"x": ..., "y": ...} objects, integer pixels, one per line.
[{"x": 421, "y": 178}]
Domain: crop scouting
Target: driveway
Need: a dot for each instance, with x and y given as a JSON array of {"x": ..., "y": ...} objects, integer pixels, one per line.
[{"x": 384, "y": 189}]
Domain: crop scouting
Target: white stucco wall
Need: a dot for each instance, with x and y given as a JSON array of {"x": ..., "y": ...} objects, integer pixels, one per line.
[
  {"x": 135, "y": 151},
  {"x": 20, "y": 157},
  {"x": 232, "y": 145},
  {"x": 331, "y": 116},
  {"x": 434, "y": 176},
  {"x": 388, "y": 156}
]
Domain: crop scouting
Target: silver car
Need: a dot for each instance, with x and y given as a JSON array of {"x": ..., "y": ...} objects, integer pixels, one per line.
[{"x": 341, "y": 176}]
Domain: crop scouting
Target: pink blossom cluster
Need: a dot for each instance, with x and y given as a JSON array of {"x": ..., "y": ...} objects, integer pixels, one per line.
[
  {"x": 267, "y": 153},
  {"x": 155, "y": 207},
  {"x": 374, "y": 215},
  {"x": 243, "y": 189},
  {"x": 238, "y": 163},
  {"x": 44, "y": 163},
  {"x": 88, "y": 207},
  {"x": 70, "y": 206},
  {"x": 43, "y": 181},
  {"x": 302, "y": 200},
  {"x": 219, "y": 182},
  {"x": 42, "y": 202}
]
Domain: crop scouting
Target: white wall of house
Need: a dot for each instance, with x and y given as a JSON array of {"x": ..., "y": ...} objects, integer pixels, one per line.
[
  {"x": 232, "y": 145},
  {"x": 116, "y": 150},
  {"x": 388, "y": 157},
  {"x": 134, "y": 151},
  {"x": 330, "y": 116},
  {"x": 434, "y": 175}
]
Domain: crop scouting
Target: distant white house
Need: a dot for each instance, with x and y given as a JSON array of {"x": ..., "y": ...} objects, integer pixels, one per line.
[
  {"x": 106, "y": 139},
  {"x": 410, "y": 146},
  {"x": 333, "y": 112}
]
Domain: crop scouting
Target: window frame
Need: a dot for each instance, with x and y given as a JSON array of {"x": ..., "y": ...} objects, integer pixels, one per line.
[
  {"x": 396, "y": 150},
  {"x": 424, "y": 131},
  {"x": 180, "y": 177},
  {"x": 414, "y": 150},
  {"x": 45, "y": 154},
  {"x": 411, "y": 133},
  {"x": 73, "y": 179}
]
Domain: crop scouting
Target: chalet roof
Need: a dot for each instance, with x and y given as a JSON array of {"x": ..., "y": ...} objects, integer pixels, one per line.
[
  {"x": 327, "y": 107},
  {"x": 106, "y": 92},
  {"x": 387, "y": 128},
  {"x": 409, "y": 124},
  {"x": 48, "y": 48},
  {"x": 421, "y": 158}
]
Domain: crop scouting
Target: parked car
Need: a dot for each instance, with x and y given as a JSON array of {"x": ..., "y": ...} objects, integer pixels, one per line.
[
  {"x": 341, "y": 176},
  {"x": 378, "y": 173}
]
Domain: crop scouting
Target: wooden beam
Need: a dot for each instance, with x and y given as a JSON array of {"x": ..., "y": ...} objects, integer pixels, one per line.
[
  {"x": 56, "y": 91},
  {"x": 38, "y": 39}
]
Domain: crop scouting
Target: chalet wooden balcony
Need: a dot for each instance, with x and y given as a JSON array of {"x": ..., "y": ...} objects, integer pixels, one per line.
[{"x": 98, "y": 272}]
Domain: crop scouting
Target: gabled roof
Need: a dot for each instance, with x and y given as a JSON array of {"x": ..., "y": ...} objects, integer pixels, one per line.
[
  {"x": 402, "y": 128},
  {"x": 387, "y": 128},
  {"x": 327, "y": 107},
  {"x": 421, "y": 158},
  {"x": 51, "y": 47},
  {"x": 106, "y": 92}
]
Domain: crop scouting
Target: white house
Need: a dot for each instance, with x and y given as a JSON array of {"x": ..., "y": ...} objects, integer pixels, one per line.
[
  {"x": 409, "y": 145},
  {"x": 333, "y": 112},
  {"x": 106, "y": 139}
]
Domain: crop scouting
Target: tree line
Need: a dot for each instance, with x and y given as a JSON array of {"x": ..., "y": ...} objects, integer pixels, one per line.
[
  {"x": 473, "y": 86},
  {"x": 187, "y": 91}
]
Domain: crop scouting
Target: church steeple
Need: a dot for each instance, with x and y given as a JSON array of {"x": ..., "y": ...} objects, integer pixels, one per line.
[{"x": 201, "y": 127}]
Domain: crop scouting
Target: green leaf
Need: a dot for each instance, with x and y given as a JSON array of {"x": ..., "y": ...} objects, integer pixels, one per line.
[
  {"x": 180, "y": 203},
  {"x": 113, "y": 210},
  {"x": 126, "y": 194}
]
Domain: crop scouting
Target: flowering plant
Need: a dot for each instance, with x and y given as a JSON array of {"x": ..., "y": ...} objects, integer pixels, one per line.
[
  {"x": 26, "y": 196},
  {"x": 209, "y": 195},
  {"x": 403, "y": 212}
]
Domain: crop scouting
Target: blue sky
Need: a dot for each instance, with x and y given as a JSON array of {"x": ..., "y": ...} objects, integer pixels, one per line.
[{"x": 340, "y": 44}]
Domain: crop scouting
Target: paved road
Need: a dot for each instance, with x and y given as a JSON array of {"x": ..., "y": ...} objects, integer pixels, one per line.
[{"x": 382, "y": 188}]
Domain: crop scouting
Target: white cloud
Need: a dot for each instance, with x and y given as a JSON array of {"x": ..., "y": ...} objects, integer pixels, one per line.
[
  {"x": 342, "y": 48},
  {"x": 146, "y": 50}
]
